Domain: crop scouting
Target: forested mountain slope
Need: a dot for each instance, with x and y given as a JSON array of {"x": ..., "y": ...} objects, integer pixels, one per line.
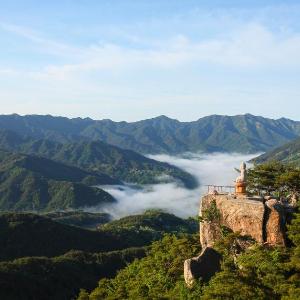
[
  {"x": 41, "y": 258},
  {"x": 97, "y": 156},
  {"x": 60, "y": 277},
  {"x": 289, "y": 153},
  {"x": 241, "y": 133},
  {"x": 79, "y": 218},
  {"x": 39, "y": 184},
  {"x": 26, "y": 234}
]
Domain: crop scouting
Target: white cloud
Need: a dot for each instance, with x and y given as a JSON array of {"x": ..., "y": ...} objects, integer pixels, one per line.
[
  {"x": 43, "y": 44},
  {"x": 157, "y": 74},
  {"x": 215, "y": 169},
  {"x": 253, "y": 46}
]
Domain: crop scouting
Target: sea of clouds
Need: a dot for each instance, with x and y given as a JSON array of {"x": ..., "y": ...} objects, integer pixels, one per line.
[{"x": 217, "y": 169}]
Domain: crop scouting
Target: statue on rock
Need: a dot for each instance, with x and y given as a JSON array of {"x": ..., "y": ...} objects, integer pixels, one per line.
[{"x": 241, "y": 181}]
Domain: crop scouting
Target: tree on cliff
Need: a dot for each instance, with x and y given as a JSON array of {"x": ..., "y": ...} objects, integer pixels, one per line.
[{"x": 274, "y": 177}]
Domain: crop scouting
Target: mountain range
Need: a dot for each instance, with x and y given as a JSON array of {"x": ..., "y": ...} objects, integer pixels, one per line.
[
  {"x": 240, "y": 133},
  {"x": 52, "y": 163}
]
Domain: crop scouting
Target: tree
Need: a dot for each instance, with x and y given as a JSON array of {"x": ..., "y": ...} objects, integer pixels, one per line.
[
  {"x": 274, "y": 178},
  {"x": 157, "y": 276},
  {"x": 289, "y": 181}
]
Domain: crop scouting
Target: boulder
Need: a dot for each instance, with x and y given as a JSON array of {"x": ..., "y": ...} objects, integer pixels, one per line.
[{"x": 204, "y": 266}]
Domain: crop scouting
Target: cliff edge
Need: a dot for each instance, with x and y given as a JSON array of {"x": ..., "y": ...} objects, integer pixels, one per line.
[{"x": 263, "y": 220}]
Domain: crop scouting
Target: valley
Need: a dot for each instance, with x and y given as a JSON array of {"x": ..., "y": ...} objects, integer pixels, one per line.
[
  {"x": 149, "y": 150},
  {"x": 77, "y": 211}
]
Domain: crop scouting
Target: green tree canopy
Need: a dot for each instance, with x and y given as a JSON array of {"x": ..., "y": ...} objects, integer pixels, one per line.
[{"x": 274, "y": 178}]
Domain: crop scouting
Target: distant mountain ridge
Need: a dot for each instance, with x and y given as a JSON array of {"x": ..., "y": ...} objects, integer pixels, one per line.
[{"x": 240, "y": 133}]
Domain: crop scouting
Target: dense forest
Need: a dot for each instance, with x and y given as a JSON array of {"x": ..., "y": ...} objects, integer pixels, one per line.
[{"x": 42, "y": 255}]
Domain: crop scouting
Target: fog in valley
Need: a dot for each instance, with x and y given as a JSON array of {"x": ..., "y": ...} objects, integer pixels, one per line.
[{"x": 215, "y": 169}]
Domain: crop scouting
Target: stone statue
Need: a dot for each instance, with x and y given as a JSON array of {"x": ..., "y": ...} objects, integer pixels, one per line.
[
  {"x": 241, "y": 181},
  {"x": 243, "y": 171}
]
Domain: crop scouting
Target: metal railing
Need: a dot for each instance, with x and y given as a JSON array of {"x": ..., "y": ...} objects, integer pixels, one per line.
[{"x": 220, "y": 189}]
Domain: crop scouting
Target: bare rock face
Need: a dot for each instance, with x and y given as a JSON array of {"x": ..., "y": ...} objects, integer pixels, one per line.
[
  {"x": 275, "y": 218},
  {"x": 239, "y": 214},
  {"x": 204, "y": 266},
  {"x": 264, "y": 222}
]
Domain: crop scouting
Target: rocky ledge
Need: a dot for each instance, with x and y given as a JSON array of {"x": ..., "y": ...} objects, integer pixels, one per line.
[{"x": 263, "y": 220}]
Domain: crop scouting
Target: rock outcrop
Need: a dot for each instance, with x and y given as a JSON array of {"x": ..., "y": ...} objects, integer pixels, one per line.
[
  {"x": 262, "y": 220},
  {"x": 237, "y": 213},
  {"x": 204, "y": 266},
  {"x": 275, "y": 219}
]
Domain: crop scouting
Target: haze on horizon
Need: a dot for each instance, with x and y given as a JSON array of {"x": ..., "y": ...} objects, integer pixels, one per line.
[
  {"x": 132, "y": 60},
  {"x": 148, "y": 118}
]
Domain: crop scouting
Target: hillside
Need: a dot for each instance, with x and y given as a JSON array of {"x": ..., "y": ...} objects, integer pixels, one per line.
[
  {"x": 79, "y": 218},
  {"x": 123, "y": 164},
  {"x": 25, "y": 234},
  {"x": 287, "y": 153},
  {"x": 154, "y": 220},
  {"x": 39, "y": 184},
  {"x": 60, "y": 277},
  {"x": 149, "y": 226},
  {"x": 241, "y": 133},
  {"x": 40, "y": 257},
  {"x": 97, "y": 157}
]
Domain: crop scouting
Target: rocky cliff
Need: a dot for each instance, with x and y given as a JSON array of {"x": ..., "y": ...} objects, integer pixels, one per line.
[{"x": 263, "y": 220}]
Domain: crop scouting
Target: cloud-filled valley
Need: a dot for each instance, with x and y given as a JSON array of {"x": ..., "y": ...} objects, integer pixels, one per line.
[{"x": 215, "y": 169}]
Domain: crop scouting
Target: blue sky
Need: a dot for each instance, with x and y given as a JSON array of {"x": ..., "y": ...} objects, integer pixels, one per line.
[{"x": 136, "y": 59}]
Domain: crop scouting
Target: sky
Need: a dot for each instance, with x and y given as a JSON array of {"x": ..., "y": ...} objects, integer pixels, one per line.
[{"x": 136, "y": 59}]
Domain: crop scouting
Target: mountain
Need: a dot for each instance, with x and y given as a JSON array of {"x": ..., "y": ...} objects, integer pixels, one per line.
[
  {"x": 287, "y": 153},
  {"x": 97, "y": 157},
  {"x": 39, "y": 184},
  {"x": 241, "y": 133}
]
